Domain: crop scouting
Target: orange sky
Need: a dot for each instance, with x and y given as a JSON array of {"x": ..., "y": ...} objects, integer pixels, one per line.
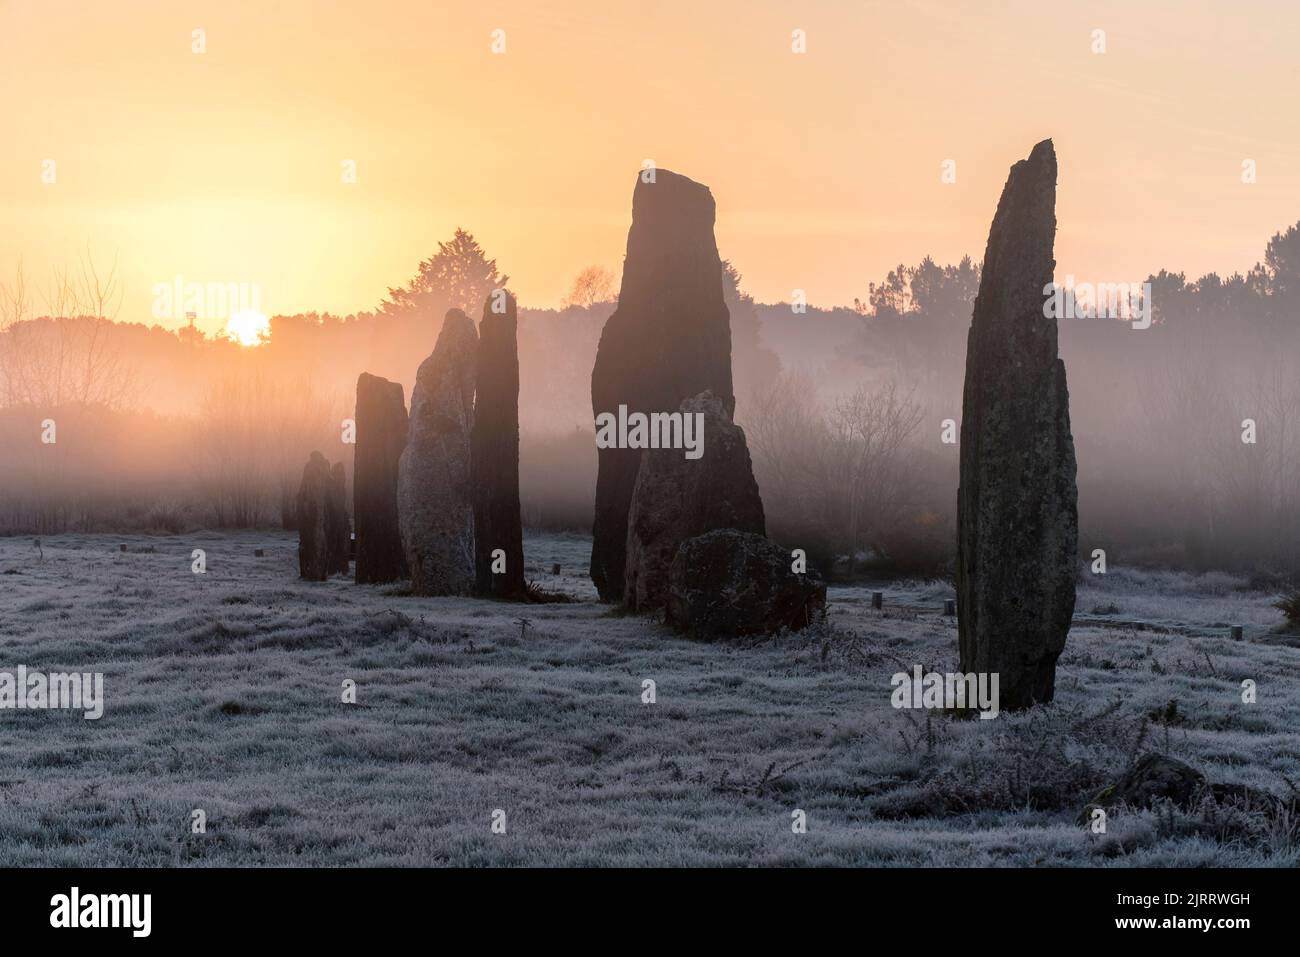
[{"x": 225, "y": 166}]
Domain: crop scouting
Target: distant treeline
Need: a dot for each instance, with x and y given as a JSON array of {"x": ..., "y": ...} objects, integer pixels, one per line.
[{"x": 844, "y": 408}]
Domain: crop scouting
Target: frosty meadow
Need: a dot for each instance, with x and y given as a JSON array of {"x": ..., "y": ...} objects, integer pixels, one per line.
[
  {"x": 773, "y": 476},
  {"x": 309, "y": 668}
]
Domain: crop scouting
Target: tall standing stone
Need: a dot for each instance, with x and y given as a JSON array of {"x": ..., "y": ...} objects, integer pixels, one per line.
[
  {"x": 434, "y": 506},
  {"x": 494, "y": 453},
  {"x": 381, "y": 437},
  {"x": 676, "y": 498},
  {"x": 338, "y": 526},
  {"x": 313, "y": 530},
  {"x": 669, "y": 339},
  {"x": 1017, "y": 515}
]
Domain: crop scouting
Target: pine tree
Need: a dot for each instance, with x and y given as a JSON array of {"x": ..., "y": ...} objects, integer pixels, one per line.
[{"x": 458, "y": 276}]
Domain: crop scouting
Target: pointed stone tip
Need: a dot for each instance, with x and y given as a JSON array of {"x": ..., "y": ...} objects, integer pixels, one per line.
[
  {"x": 1043, "y": 157},
  {"x": 456, "y": 329},
  {"x": 1038, "y": 168}
]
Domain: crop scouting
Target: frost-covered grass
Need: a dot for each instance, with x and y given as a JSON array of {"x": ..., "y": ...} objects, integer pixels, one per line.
[{"x": 224, "y": 693}]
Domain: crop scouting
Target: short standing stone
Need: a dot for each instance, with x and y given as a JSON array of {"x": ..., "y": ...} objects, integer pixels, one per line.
[{"x": 381, "y": 437}]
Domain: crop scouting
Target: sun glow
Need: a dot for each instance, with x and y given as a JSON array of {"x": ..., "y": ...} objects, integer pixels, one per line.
[{"x": 248, "y": 328}]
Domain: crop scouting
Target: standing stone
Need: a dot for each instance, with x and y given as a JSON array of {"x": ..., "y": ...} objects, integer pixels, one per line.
[
  {"x": 338, "y": 527},
  {"x": 434, "y": 508},
  {"x": 313, "y": 534},
  {"x": 1017, "y": 515},
  {"x": 381, "y": 436},
  {"x": 676, "y": 498},
  {"x": 494, "y": 452},
  {"x": 669, "y": 339}
]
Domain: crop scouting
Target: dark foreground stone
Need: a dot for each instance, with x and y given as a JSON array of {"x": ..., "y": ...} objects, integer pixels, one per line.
[
  {"x": 727, "y": 584},
  {"x": 676, "y": 498}
]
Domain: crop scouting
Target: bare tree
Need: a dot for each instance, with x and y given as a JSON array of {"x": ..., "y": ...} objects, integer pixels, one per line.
[
  {"x": 593, "y": 285},
  {"x": 843, "y": 470},
  {"x": 70, "y": 354},
  {"x": 869, "y": 430},
  {"x": 15, "y": 314}
]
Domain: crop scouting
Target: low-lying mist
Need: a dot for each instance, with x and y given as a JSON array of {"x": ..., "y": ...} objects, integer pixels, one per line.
[{"x": 1187, "y": 432}]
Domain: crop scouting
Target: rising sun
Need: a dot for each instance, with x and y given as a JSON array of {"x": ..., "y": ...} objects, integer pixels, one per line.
[{"x": 248, "y": 328}]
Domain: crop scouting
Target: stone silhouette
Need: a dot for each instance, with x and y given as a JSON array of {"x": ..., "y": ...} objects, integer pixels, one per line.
[
  {"x": 676, "y": 498},
  {"x": 1017, "y": 515},
  {"x": 669, "y": 339},
  {"x": 381, "y": 437},
  {"x": 313, "y": 531},
  {"x": 494, "y": 452},
  {"x": 434, "y": 506},
  {"x": 338, "y": 528},
  {"x": 728, "y": 584}
]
